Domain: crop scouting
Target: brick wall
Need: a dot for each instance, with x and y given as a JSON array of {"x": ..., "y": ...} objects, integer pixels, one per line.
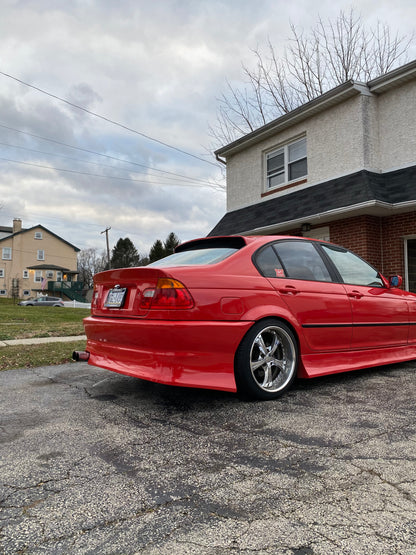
[
  {"x": 363, "y": 235},
  {"x": 379, "y": 240},
  {"x": 394, "y": 229}
]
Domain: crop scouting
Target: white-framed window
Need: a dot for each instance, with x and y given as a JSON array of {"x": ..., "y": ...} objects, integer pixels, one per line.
[
  {"x": 321, "y": 233},
  {"x": 26, "y": 292},
  {"x": 287, "y": 163},
  {"x": 49, "y": 274},
  {"x": 41, "y": 255},
  {"x": 25, "y": 274},
  {"x": 3, "y": 293},
  {"x": 38, "y": 276},
  {"x": 410, "y": 263},
  {"x": 1, "y": 273},
  {"x": 58, "y": 275},
  {"x": 38, "y": 235},
  {"x": 7, "y": 253}
]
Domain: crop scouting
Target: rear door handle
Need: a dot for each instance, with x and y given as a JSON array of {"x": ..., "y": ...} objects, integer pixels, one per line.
[
  {"x": 289, "y": 290},
  {"x": 355, "y": 294}
]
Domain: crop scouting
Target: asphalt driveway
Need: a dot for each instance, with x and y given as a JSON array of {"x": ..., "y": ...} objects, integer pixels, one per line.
[{"x": 95, "y": 462}]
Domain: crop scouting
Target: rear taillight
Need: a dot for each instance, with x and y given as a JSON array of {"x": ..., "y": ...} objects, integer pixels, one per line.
[{"x": 168, "y": 294}]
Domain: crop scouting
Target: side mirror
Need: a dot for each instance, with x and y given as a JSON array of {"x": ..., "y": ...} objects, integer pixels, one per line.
[{"x": 395, "y": 281}]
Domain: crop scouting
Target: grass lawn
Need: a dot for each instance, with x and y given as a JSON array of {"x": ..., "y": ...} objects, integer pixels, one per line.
[
  {"x": 22, "y": 322},
  {"x": 30, "y": 356}
]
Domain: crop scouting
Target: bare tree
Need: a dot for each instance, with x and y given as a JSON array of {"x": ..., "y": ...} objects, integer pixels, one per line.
[
  {"x": 90, "y": 262},
  {"x": 330, "y": 54}
]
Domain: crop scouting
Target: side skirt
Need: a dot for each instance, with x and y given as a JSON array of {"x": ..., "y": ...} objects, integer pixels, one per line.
[{"x": 322, "y": 364}]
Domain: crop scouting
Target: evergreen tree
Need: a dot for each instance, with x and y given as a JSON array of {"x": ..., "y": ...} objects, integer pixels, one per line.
[
  {"x": 124, "y": 254},
  {"x": 157, "y": 251},
  {"x": 171, "y": 242}
]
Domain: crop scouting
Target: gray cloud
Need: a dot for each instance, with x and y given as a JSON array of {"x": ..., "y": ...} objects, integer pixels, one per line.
[{"x": 157, "y": 67}]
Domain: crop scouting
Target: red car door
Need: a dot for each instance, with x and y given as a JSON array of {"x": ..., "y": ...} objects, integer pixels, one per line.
[
  {"x": 298, "y": 273},
  {"x": 380, "y": 314},
  {"x": 322, "y": 309}
]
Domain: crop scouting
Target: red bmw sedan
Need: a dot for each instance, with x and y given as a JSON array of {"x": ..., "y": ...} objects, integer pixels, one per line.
[{"x": 248, "y": 314}]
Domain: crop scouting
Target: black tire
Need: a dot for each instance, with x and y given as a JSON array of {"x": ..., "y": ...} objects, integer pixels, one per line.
[{"x": 267, "y": 360}]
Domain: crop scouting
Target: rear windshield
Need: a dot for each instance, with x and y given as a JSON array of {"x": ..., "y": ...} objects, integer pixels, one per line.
[{"x": 196, "y": 257}]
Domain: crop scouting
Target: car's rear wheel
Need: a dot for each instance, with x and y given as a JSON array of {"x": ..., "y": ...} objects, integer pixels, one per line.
[{"x": 267, "y": 360}]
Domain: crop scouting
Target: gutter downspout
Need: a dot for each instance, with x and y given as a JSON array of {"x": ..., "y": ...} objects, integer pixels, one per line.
[{"x": 220, "y": 160}]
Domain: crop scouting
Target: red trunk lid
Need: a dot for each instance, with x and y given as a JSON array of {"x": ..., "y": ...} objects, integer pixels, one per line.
[{"x": 119, "y": 293}]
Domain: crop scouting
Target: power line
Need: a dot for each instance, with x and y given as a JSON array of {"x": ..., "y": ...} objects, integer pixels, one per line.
[
  {"x": 108, "y": 120},
  {"x": 80, "y": 225},
  {"x": 106, "y": 176},
  {"x": 178, "y": 177},
  {"x": 50, "y": 221},
  {"x": 99, "y": 153}
]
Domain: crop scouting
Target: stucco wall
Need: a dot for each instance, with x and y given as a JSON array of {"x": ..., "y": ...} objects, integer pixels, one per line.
[
  {"x": 375, "y": 132},
  {"x": 397, "y": 125},
  {"x": 334, "y": 148}
]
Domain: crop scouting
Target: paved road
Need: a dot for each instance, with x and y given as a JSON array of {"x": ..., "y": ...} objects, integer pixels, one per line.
[{"x": 97, "y": 463}]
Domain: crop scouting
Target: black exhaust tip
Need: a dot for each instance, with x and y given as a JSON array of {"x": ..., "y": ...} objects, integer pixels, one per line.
[{"x": 79, "y": 356}]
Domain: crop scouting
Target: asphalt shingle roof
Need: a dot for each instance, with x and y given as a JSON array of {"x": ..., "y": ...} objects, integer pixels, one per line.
[{"x": 360, "y": 187}]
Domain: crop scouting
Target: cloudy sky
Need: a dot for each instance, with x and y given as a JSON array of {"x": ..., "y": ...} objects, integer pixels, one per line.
[{"x": 153, "y": 71}]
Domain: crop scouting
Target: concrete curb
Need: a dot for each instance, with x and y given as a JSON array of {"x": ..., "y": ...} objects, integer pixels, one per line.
[{"x": 40, "y": 340}]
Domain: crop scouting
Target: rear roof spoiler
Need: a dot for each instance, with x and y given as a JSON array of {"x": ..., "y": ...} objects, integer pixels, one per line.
[{"x": 228, "y": 242}]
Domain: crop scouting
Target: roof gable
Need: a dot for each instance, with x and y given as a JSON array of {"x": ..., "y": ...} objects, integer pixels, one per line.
[
  {"x": 38, "y": 226},
  {"x": 341, "y": 93}
]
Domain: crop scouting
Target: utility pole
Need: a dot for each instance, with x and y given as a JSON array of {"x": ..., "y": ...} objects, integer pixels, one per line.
[{"x": 108, "y": 247}]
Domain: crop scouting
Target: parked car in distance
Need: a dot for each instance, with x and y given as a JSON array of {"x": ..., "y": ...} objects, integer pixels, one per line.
[
  {"x": 248, "y": 314},
  {"x": 42, "y": 301}
]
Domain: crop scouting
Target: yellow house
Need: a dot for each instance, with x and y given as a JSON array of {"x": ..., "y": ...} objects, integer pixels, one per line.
[{"x": 36, "y": 261}]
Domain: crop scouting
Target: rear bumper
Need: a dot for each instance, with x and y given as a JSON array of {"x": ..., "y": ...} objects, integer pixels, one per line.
[{"x": 190, "y": 354}]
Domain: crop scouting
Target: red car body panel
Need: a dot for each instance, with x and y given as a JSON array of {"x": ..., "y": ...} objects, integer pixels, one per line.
[
  {"x": 320, "y": 305},
  {"x": 193, "y": 354},
  {"x": 338, "y": 327}
]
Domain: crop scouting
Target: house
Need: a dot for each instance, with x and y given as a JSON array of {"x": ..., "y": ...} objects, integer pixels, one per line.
[
  {"x": 341, "y": 168},
  {"x": 36, "y": 261}
]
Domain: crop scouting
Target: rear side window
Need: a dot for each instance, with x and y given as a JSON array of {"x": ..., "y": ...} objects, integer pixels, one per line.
[
  {"x": 268, "y": 263},
  {"x": 195, "y": 257},
  {"x": 301, "y": 260},
  {"x": 292, "y": 259}
]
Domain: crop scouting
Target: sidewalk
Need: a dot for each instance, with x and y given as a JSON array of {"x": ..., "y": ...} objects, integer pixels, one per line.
[{"x": 39, "y": 340}]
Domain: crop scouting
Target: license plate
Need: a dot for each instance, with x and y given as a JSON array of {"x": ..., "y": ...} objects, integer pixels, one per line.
[{"x": 115, "y": 298}]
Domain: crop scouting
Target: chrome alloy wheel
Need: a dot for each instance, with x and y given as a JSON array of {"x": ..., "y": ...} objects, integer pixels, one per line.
[{"x": 273, "y": 359}]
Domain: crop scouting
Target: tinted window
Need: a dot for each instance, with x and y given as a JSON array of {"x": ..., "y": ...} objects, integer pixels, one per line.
[
  {"x": 196, "y": 257},
  {"x": 268, "y": 263},
  {"x": 302, "y": 261},
  {"x": 353, "y": 269}
]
